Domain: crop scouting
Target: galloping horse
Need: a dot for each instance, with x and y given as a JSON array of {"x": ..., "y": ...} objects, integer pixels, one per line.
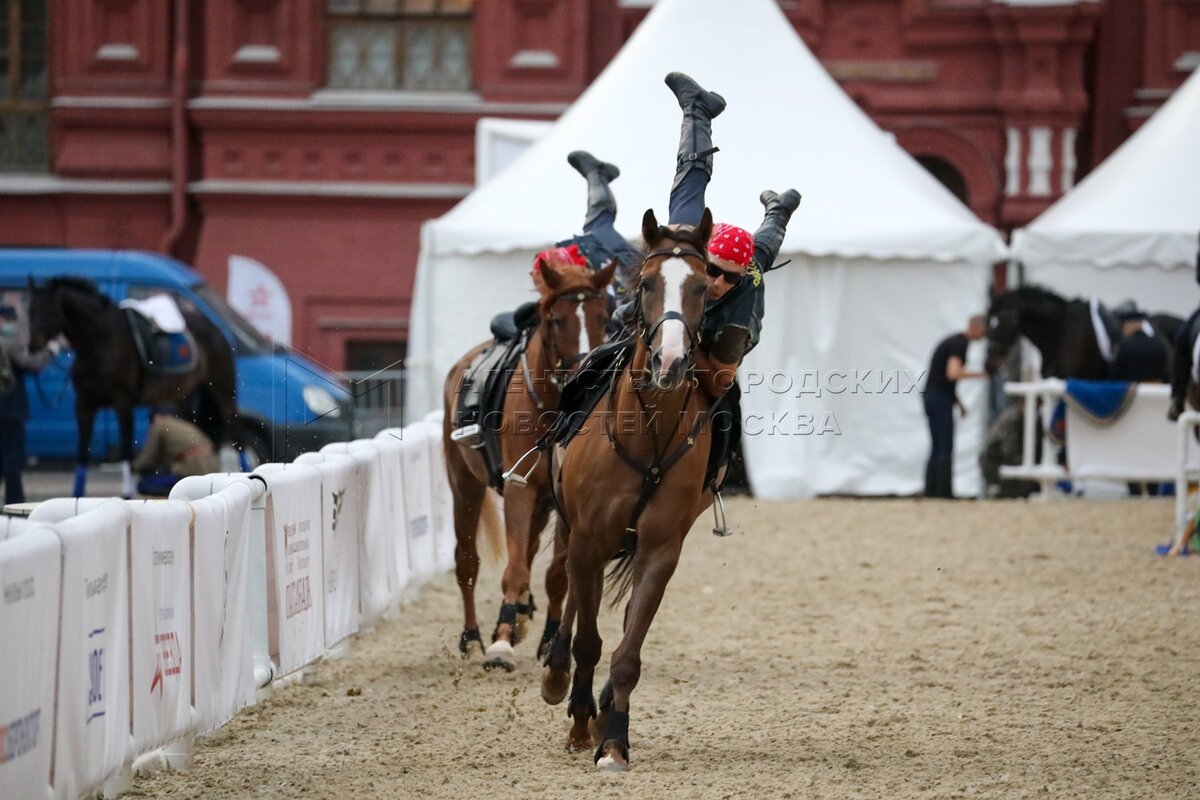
[
  {"x": 1061, "y": 329},
  {"x": 108, "y": 371},
  {"x": 631, "y": 483},
  {"x": 572, "y": 313}
]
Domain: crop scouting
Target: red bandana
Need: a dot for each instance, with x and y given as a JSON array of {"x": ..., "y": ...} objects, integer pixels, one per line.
[
  {"x": 560, "y": 257},
  {"x": 732, "y": 244}
]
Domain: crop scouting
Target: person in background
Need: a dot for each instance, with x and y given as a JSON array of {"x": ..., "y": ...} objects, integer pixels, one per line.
[
  {"x": 14, "y": 401},
  {"x": 1142, "y": 355},
  {"x": 946, "y": 369},
  {"x": 174, "y": 449}
]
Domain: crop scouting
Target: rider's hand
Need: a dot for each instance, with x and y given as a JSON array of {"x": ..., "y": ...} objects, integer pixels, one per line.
[{"x": 55, "y": 346}]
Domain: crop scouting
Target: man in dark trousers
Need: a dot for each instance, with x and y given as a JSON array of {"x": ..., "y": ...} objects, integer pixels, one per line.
[
  {"x": 14, "y": 403},
  {"x": 946, "y": 369}
]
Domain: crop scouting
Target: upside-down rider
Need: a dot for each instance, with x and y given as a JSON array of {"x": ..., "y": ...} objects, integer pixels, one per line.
[{"x": 736, "y": 263}]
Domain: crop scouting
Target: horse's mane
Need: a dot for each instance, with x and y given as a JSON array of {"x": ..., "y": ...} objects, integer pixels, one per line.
[
  {"x": 1030, "y": 295},
  {"x": 78, "y": 284}
]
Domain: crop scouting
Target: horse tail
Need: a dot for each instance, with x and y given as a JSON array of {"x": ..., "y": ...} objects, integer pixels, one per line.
[
  {"x": 495, "y": 547},
  {"x": 620, "y": 578}
]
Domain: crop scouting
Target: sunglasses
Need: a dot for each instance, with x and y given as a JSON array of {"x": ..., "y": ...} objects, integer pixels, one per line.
[{"x": 731, "y": 277}]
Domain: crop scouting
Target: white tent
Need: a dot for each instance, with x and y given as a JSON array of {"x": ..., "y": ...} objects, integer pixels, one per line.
[
  {"x": 1129, "y": 230},
  {"x": 886, "y": 261}
]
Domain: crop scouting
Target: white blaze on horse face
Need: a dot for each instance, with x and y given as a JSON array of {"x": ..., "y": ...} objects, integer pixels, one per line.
[
  {"x": 583, "y": 337},
  {"x": 674, "y": 333}
]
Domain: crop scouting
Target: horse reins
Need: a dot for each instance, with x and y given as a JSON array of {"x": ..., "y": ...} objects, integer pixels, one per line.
[
  {"x": 557, "y": 363},
  {"x": 654, "y": 472}
]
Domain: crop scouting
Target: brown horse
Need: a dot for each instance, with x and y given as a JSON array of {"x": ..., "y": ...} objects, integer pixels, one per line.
[
  {"x": 631, "y": 483},
  {"x": 572, "y": 314}
]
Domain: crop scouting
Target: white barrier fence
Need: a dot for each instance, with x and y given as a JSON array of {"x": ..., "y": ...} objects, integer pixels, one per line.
[
  {"x": 132, "y": 626},
  {"x": 1140, "y": 446}
]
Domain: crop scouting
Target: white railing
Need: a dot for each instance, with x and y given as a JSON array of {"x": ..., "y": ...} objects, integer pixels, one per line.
[
  {"x": 130, "y": 627},
  {"x": 1141, "y": 446}
]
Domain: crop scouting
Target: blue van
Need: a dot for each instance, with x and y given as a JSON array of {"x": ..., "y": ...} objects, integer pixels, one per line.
[{"x": 287, "y": 404}]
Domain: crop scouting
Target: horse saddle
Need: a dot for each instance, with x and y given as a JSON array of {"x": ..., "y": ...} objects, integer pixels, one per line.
[
  {"x": 163, "y": 353},
  {"x": 479, "y": 412}
]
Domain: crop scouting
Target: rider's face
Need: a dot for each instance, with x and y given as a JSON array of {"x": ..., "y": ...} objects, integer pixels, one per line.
[{"x": 718, "y": 284}]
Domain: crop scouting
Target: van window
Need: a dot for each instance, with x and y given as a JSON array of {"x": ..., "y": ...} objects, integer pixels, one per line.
[{"x": 249, "y": 340}]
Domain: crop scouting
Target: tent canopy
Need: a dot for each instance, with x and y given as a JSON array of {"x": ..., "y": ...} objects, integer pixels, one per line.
[
  {"x": 788, "y": 125},
  {"x": 1140, "y": 208}
]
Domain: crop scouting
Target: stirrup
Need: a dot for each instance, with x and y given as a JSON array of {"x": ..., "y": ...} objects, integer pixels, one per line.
[
  {"x": 468, "y": 435},
  {"x": 523, "y": 480},
  {"x": 719, "y": 528}
]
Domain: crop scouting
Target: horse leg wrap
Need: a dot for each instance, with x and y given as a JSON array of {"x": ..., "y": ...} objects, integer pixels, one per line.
[
  {"x": 606, "y": 696},
  {"x": 617, "y": 731},
  {"x": 466, "y": 637},
  {"x": 548, "y": 635},
  {"x": 558, "y": 655},
  {"x": 508, "y": 616},
  {"x": 581, "y": 697},
  {"x": 527, "y": 608}
]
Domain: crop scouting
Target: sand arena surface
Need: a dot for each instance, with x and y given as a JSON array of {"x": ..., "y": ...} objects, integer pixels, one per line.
[{"x": 835, "y": 648}]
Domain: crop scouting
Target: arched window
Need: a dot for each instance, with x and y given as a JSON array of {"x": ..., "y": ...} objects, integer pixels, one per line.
[
  {"x": 24, "y": 102},
  {"x": 947, "y": 175},
  {"x": 404, "y": 45}
]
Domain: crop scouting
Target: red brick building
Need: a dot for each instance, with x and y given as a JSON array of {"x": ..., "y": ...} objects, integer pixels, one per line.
[{"x": 316, "y": 135}]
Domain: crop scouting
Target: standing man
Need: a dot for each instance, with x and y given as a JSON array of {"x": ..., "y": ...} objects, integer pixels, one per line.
[
  {"x": 946, "y": 369},
  {"x": 14, "y": 403}
]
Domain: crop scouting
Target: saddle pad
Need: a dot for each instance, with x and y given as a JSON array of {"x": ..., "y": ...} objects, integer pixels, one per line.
[
  {"x": 162, "y": 354},
  {"x": 481, "y": 400},
  {"x": 160, "y": 309}
]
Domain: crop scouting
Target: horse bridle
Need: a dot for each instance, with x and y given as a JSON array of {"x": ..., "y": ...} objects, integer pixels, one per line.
[
  {"x": 558, "y": 364},
  {"x": 647, "y": 333}
]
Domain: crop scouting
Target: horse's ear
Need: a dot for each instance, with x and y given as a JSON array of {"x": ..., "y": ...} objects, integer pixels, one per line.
[
  {"x": 603, "y": 276},
  {"x": 704, "y": 229},
  {"x": 550, "y": 275},
  {"x": 651, "y": 232}
]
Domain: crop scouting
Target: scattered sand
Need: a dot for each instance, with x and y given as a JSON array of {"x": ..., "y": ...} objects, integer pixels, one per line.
[{"x": 837, "y": 648}]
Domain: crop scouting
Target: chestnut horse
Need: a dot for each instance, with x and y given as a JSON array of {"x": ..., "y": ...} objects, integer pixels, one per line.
[
  {"x": 572, "y": 313},
  {"x": 630, "y": 484}
]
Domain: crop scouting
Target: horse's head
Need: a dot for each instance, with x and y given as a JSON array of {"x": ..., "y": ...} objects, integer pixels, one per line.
[
  {"x": 1004, "y": 329},
  {"x": 573, "y": 310},
  {"x": 671, "y": 291},
  {"x": 45, "y": 315}
]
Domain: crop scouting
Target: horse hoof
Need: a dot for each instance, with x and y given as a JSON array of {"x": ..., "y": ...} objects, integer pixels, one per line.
[
  {"x": 578, "y": 744},
  {"x": 474, "y": 651},
  {"x": 500, "y": 655},
  {"x": 522, "y": 627},
  {"x": 612, "y": 762},
  {"x": 554, "y": 692}
]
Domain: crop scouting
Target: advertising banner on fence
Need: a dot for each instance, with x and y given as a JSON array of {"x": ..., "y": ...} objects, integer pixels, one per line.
[
  {"x": 224, "y": 651},
  {"x": 11, "y": 527},
  {"x": 342, "y": 479},
  {"x": 296, "y": 611},
  {"x": 92, "y": 730},
  {"x": 29, "y": 600},
  {"x": 418, "y": 501},
  {"x": 391, "y": 452},
  {"x": 160, "y": 580},
  {"x": 376, "y": 562}
]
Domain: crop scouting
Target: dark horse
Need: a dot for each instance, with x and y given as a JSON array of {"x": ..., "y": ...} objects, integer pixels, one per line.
[
  {"x": 108, "y": 371},
  {"x": 571, "y": 318},
  {"x": 1060, "y": 329},
  {"x": 630, "y": 484}
]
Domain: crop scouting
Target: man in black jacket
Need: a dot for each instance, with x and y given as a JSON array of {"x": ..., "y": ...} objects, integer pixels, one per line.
[{"x": 946, "y": 369}]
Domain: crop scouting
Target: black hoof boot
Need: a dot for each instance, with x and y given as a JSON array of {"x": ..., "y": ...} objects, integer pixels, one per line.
[
  {"x": 548, "y": 635},
  {"x": 692, "y": 95},
  {"x": 466, "y": 637}
]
